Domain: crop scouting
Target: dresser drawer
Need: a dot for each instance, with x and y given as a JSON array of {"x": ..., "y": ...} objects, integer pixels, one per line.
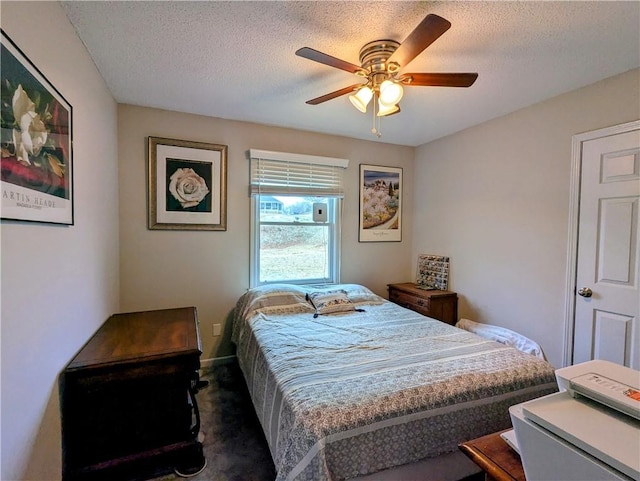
[
  {"x": 409, "y": 301},
  {"x": 437, "y": 304}
]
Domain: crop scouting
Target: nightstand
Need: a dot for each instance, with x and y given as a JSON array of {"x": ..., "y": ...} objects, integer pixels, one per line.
[
  {"x": 495, "y": 457},
  {"x": 441, "y": 305}
]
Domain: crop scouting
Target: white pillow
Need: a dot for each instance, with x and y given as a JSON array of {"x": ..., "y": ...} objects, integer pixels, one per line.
[
  {"x": 361, "y": 295},
  {"x": 503, "y": 336},
  {"x": 273, "y": 298}
]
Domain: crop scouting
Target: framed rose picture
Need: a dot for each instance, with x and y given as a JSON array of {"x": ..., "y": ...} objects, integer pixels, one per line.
[
  {"x": 36, "y": 126},
  {"x": 187, "y": 185},
  {"x": 380, "y": 204}
]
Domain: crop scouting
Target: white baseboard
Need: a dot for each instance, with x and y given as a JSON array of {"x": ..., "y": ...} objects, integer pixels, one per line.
[{"x": 216, "y": 361}]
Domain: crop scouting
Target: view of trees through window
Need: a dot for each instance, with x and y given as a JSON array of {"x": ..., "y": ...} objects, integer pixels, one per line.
[{"x": 292, "y": 245}]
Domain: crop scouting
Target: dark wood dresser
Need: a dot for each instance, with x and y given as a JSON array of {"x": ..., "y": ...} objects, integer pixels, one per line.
[
  {"x": 441, "y": 305},
  {"x": 127, "y": 399}
]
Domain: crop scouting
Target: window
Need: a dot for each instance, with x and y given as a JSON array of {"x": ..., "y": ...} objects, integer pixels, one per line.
[
  {"x": 295, "y": 211},
  {"x": 291, "y": 246}
]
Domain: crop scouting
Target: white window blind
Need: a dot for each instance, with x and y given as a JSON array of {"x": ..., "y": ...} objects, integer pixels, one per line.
[{"x": 296, "y": 174}]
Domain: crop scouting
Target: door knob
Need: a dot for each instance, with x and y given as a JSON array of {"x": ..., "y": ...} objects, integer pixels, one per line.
[{"x": 585, "y": 292}]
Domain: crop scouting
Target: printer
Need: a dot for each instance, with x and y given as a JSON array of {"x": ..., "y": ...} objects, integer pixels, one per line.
[{"x": 590, "y": 430}]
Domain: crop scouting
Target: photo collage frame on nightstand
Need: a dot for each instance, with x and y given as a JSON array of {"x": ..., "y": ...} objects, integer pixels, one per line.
[{"x": 432, "y": 272}]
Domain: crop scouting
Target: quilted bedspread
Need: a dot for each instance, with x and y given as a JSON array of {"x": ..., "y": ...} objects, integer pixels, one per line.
[{"x": 352, "y": 393}]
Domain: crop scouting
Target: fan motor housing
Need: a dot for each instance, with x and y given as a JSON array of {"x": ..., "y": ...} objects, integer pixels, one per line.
[{"x": 374, "y": 55}]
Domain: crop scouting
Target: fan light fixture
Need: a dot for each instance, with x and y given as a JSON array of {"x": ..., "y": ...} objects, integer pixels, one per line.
[
  {"x": 390, "y": 92},
  {"x": 385, "y": 110},
  {"x": 361, "y": 98}
]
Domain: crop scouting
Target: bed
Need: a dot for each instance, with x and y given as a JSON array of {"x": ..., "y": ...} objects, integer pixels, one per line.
[{"x": 354, "y": 384}]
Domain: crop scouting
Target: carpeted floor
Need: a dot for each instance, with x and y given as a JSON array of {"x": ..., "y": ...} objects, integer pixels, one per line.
[{"x": 234, "y": 444}]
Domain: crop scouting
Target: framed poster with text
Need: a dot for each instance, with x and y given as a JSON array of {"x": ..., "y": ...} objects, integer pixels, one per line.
[{"x": 36, "y": 131}]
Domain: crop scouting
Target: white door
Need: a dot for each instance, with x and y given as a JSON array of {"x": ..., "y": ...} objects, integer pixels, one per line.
[{"x": 607, "y": 297}]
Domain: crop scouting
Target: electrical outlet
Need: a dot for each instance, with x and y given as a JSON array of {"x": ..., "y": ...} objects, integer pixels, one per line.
[{"x": 217, "y": 329}]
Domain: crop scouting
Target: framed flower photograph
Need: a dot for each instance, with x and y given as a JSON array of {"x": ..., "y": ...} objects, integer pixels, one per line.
[
  {"x": 380, "y": 204},
  {"x": 187, "y": 185},
  {"x": 36, "y": 127}
]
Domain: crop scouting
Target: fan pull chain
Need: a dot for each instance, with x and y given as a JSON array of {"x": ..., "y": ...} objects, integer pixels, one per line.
[
  {"x": 373, "y": 119},
  {"x": 376, "y": 128}
]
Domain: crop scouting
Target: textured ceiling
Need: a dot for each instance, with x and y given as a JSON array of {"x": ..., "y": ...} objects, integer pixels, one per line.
[{"x": 236, "y": 60}]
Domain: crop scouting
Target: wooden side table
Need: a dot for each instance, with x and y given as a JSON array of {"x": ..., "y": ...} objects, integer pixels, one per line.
[
  {"x": 441, "y": 305},
  {"x": 495, "y": 458},
  {"x": 127, "y": 399}
]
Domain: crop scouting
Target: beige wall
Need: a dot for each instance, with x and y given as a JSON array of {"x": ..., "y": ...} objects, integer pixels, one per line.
[
  {"x": 210, "y": 270},
  {"x": 58, "y": 283},
  {"x": 496, "y": 199}
]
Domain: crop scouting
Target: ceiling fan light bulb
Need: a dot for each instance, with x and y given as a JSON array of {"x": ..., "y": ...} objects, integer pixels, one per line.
[
  {"x": 361, "y": 98},
  {"x": 390, "y": 92},
  {"x": 385, "y": 110}
]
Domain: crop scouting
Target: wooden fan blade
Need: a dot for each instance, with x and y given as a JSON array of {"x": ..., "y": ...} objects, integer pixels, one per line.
[
  {"x": 422, "y": 36},
  {"x": 439, "y": 79},
  {"x": 333, "y": 95},
  {"x": 325, "y": 59}
]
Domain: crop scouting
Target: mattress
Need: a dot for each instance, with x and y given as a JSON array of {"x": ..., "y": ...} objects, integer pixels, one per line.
[{"x": 352, "y": 393}]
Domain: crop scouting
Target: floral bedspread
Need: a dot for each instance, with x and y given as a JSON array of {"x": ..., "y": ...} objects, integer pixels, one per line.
[{"x": 344, "y": 395}]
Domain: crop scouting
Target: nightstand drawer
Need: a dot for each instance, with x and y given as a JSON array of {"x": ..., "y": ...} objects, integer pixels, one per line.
[{"x": 441, "y": 305}]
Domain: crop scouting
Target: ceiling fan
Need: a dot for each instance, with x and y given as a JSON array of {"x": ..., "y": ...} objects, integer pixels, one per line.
[{"x": 380, "y": 64}]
